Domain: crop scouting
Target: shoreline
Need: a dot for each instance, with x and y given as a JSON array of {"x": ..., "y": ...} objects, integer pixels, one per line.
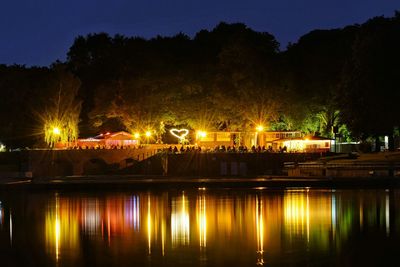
[{"x": 121, "y": 182}]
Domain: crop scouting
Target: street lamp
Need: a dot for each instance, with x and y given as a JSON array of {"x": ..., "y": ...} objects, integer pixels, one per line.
[
  {"x": 201, "y": 134},
  {"x": 148, "y": 134}
]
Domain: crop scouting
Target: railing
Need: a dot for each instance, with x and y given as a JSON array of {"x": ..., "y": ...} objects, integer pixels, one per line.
[{"x": 343, "y": 169}]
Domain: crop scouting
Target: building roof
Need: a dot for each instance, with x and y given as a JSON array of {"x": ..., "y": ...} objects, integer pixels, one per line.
[
  {"x": 120, "y": 136},
  {"x": 310, "y": 137},
  {"x": 115, "y": 136}
]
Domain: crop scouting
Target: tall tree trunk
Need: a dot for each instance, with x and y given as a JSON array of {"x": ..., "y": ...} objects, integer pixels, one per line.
[
  {"x": 377, "y": 144},
  {"x": 391, "y": 142}
]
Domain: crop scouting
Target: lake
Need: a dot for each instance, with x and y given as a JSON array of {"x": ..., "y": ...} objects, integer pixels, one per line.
[{"x": 200, "y": 227}]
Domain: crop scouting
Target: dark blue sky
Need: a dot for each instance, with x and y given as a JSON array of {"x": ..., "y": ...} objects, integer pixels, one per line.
[{"x": 37, "y": 32}]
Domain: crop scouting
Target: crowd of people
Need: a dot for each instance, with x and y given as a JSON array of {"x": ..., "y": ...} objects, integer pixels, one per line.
[
  {"x": 223, "y": 149},
  {"x": 190, "y": 148},
  {"x": 82, "y": 147}
]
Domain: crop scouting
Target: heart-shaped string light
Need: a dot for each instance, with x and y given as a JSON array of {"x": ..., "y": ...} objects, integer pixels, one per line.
[{"x": 179, "y": 133}]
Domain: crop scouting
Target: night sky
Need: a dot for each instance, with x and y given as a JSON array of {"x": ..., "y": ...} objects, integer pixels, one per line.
[{"x": 37, "y": 32}]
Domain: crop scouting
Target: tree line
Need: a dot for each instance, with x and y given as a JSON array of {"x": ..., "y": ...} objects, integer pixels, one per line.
[{"x": 231, "y": 78}]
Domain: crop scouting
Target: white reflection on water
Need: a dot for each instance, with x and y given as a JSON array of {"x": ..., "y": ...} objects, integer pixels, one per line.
[
  {"x": 91, "y": 216},
  {"x": 11, "y": 228},
  {"x": 333, "y": 213},
  {"x": 361, "y": 214},
  {"x": 387, "y": 216},
  {"x": 1, "y": 215},
  {"x": 132, "y": 212}
]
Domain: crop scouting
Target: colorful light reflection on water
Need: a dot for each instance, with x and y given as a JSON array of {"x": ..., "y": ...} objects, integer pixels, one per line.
[{"x": 199, "y": 228}]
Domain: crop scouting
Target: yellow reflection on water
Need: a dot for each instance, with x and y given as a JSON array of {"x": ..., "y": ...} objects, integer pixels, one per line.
[
  {"x": 311, "y": 216},
  {"x": 260, "y": 230},
  {"x": 180, "y": 221},
  {"x": 149, "y": 224},
  {"x": 297, "y": 212},
  {"x": 163, "y": 235},
  {"x": 61, "y": 229},
  {"x": 57, "y": 236},
  {"x": 201, "y": 217},
  {"x": 155, "y": 214}
]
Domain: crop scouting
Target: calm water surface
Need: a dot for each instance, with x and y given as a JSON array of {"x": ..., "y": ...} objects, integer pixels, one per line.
[{"x": 201, "y": 227}]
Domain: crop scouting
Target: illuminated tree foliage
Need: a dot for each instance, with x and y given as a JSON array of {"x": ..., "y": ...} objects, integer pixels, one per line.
[
  {"x": 61, "y": 115},
  {"x": 230, "y": 78}
]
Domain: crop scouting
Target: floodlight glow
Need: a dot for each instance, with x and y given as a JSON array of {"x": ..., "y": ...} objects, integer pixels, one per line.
[
  {"x": 136, "y": 135},
  {"x": 201, "y": 134},
  {"x": 148, "y": 133},
  {"x": 260, "y": 128}
]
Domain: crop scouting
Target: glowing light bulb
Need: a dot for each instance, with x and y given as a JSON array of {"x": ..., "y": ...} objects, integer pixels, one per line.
[{"x": 56, "y": 130}]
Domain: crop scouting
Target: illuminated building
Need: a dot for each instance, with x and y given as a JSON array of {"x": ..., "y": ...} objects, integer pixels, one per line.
[
  {"x": 110, "y": 139},
  {"x": 305, "y": 144},
  {"x": 258, "y": 137}
]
